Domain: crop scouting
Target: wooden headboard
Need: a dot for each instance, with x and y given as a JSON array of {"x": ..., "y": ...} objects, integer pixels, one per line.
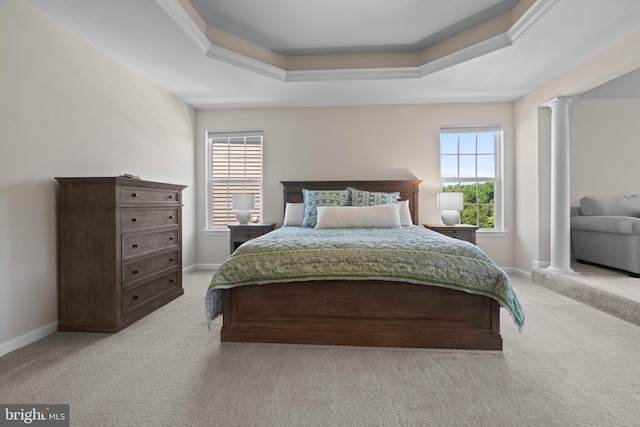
[{"x": 408, "y": 190}]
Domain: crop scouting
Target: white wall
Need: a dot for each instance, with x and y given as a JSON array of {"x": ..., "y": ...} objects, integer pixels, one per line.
[
  {"x": 368, "y": 142},
  {"x": 532, "y": 153},
  {"x": 66, "y": 109},
  {"x": 605, "y": 147}
]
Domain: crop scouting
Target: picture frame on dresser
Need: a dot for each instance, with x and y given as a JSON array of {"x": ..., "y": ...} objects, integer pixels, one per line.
[{"x": 120, "y": 250}]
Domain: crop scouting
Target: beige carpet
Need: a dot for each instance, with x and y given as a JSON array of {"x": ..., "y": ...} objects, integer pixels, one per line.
[
  {"x": 608, "y": 290},
  {"x": 572, "y": 366}
]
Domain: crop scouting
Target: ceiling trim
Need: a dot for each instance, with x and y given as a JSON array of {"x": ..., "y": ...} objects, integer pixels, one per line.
[
  {"x": 530, "y": 17},
  {"x": 180, "y": 16},
  {"x": 246, "y": 62},
  {"x": 188, "y": 24}
]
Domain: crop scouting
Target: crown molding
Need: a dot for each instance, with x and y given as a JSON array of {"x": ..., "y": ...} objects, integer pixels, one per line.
[
  {"x": 480, "y": 49},
  {"x": 243, "y": 61},
  {"x": 353, "y": 74},
  {"x": 176, "y": 11},
  {"x": 530, "y": 17}
]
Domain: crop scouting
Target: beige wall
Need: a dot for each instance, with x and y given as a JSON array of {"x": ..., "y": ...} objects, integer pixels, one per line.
[
  {"x": 66, "y": 109},
  {"x": 368, "y": 142},
  {"x": 532, "y": 139},
  {"x": 605, "y": 147}
]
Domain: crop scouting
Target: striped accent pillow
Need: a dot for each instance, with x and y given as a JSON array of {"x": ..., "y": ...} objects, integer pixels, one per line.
[
  {"x": 372, "y": 198},
  {"x": 315, "y": 198}
]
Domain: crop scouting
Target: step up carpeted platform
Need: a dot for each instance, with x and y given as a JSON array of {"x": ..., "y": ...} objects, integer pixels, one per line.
[{"x": 611, "y": 291}]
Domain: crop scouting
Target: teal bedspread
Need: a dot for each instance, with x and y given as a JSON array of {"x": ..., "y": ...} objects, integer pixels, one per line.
[{"x": 410, "y": 254}]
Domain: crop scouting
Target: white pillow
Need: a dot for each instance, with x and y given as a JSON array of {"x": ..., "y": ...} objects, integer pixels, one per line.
[
  {"x": 293, "y": 213},
  {"x": 405, "y": 214},
  {"x": 380, "y": 216}
]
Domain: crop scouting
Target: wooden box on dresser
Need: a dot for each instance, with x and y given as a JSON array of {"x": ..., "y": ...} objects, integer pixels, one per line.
[{"x": 120, "y": 250}]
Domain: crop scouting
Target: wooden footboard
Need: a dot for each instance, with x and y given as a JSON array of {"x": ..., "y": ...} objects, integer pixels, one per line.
[{"x": 363, "y": 313}]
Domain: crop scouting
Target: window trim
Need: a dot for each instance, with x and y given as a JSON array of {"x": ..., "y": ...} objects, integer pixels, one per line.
[
  {"x": 208, "y": 178},
  {"x": 498, "y": 191}
]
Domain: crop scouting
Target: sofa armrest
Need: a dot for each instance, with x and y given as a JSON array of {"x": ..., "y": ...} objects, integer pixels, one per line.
[{"x": 606, "y": 224}]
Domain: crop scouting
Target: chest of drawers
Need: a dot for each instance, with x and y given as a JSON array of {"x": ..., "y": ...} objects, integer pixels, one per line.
[{"x": 120, "y": 246}]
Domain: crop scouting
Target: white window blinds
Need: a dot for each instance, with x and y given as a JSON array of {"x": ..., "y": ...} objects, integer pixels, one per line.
[{"x": 235, "y": 167}]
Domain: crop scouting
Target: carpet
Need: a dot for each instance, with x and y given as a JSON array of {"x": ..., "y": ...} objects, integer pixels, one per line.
[{"x": 571, "y": 366}]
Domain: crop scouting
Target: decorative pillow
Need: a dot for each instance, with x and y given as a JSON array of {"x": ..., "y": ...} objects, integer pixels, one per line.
[
  {"x": 611, "y": 205},
  {"x": 379, "y": 216},
  {"x": 293, "y": 214},
  {"x": 405, "y": 214},
  {"x": 371, "y": 198},
  {"x": 315, "y": 198}
]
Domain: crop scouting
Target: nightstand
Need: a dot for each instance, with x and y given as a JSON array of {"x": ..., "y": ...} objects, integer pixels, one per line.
[
  {"x": 240, "y": 233},
  {"x": 458, "y": 231}
]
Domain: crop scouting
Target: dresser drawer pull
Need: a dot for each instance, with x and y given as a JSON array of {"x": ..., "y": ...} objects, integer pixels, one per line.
[
  {"x": 171, "y": 216},
  {"x": 170, "y": 238},
  {"x": 170, "y": 259},
  {"x": 134, "y": 194},
  {"x": 171, "y": 196},
  {"x": 135, "y": 245},
  {"x": 134, "y": 219},
  {"x": 171, "y": 281},
  {"x": 135, "y": 297},
  {"x": 134, "y": 272}
]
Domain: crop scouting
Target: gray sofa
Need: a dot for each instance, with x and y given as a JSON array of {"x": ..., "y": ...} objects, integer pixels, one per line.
[{"x": 605, "y": 230}]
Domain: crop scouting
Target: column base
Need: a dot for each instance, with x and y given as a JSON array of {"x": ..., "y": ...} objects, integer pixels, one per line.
[{"x": 557, "y": 270}]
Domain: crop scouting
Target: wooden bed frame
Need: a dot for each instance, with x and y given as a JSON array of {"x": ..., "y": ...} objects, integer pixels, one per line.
[{"x": 368, "y": 312}]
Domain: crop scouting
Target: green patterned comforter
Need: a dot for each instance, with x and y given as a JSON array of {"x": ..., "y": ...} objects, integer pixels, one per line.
[{"x": 410, "y": 254}]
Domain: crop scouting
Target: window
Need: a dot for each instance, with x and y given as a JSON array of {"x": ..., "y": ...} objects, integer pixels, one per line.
[
  {"x": 234, "y": 165},
  {"x": 471, "y": 163}
]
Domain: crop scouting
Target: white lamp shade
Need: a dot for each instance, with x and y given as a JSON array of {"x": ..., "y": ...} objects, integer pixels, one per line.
[
  {"x": 243, "y": 201},
  {"x": 450, "y": 201}
]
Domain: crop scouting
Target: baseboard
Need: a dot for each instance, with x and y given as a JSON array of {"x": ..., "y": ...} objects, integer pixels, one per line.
[
  {"x": 27, "y": 338},
  {"x": 540, "y": 264},
  {"x": 38, "y": 334},
  {"x": 207, "y": 266},
  {"x": 192, "y": 267},
  {"x": 517, "y": 272}
]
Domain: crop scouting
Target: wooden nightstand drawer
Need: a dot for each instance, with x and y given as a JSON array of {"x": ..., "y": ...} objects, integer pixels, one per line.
[
  {"x": 246, "y": 235},
  {"x": 240, "y": 233},
  {"x": 459, "y": 234},
  {"x": 460, "y": 231}
]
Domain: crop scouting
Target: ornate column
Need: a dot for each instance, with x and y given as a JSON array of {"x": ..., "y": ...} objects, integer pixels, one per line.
[{"x": 560, "y": 189}]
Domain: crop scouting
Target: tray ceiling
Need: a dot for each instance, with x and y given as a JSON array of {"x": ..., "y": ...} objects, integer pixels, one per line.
[{"x": 221, "y": 54}]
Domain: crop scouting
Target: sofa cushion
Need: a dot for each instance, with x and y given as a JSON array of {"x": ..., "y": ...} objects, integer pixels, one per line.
[
  {"x": 611, "y": 205},
  {"x": 606, "y": 224}
]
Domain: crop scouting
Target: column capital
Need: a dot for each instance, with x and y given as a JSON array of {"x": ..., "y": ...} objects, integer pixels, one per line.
[{"x": 560, "y": 101}]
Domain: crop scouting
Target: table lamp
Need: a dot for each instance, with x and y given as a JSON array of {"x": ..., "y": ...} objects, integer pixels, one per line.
[
  {"x": 450, "y": 204},
  {"x": 243, "y": 203}
]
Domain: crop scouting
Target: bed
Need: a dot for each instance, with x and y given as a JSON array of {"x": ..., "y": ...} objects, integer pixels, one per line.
[{"x": 388, "y": 304}]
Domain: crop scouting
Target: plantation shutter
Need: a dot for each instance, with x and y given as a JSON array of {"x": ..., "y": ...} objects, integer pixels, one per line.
[{"x": 236, "y": 167}]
